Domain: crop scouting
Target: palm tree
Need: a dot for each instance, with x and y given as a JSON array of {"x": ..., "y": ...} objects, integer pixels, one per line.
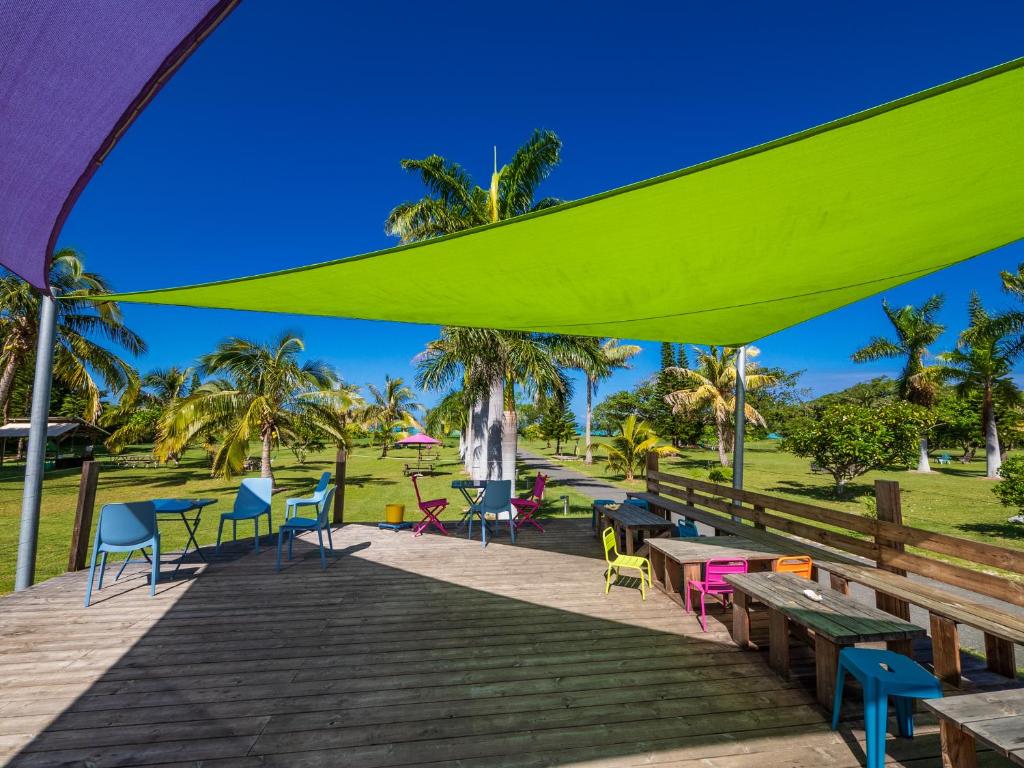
[
  {"x": 453, "y": 203},
  {"x": 153, "y": 395},
  {"x": 338, "y": 415},
  {"x": 448, "y": 415},
  {"x": 982, "y": 362},
  {"x": 78, "y": 356},
  {"x": 713, "y": 387},
  {"x": 628, "y": 448},
  {"x": 390, "y": 409},
  {"x": 610, "y": 356},
  {"x": 264, "y": 392},
  {"x": 916, "y": 328}
]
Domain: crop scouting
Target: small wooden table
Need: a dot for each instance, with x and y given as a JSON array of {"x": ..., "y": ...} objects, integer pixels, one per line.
[
  {"x": 835, "y": 621},
  {"x": 995, "y": 719},
  {"x": 675, "y": 562},
  {"x": 635, "y": 521}
]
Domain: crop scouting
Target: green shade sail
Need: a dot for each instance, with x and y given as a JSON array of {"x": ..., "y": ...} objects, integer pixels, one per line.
[{"x": 725, "y": 252}]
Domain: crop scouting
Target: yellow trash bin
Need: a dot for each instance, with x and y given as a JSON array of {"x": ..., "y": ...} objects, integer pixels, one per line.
[{"x": 393, "y": 513}]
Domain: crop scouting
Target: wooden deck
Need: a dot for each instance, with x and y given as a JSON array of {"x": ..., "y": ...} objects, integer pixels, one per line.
[{"x": 427, "y": 651}]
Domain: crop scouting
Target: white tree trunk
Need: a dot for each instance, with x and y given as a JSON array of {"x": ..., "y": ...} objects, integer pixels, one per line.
[
  {"x": 993, "y": 458},
  {"x": 588, "y": 457},
  {"x": 922, "y": 461},
  {"x": 492, "y": 441},
  {"x": 476, "y": 439},
  {"x": 509, "y": 446}
]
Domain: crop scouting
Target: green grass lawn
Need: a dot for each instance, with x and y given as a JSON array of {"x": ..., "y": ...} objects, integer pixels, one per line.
[
  {"x": 371, "y": 483},
  {"x": 956, "y": 498}
]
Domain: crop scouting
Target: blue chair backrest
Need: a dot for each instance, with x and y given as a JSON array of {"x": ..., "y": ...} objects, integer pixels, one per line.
[
  {"x": 123, "y": 525},
  {"x": 497, "y": 496},
  {"x": 686, "y": 529},
  {"x": 324, "y": 507},
  {"x": 325, "y": 480},
  {"x": 254, "y": 494}
]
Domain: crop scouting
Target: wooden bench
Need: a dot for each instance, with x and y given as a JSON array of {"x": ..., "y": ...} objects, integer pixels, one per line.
[
  {"x": 995, "y": 719},
  {"x": 676, "y": 562},
  {"x": 415, "y": 469},
  {"x": 633, "y": 521},
  {"x": 836, "y": 621},
  {"x": 946, "y": 611}
]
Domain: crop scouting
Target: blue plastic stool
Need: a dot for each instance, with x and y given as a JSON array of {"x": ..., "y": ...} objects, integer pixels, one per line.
[
  {"x": 686, "y": 529},
  {"x": 593, "y": 510},
  {"x": 642, "y": 503},
  {"x": 883, "y": 674}
]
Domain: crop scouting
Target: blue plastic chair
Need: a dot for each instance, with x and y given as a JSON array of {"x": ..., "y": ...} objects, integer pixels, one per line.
[
  {"x": 883, "y": 674},
  {"x": 686, "y": 529},
  {"x": 593, "y": 510},
  {"x": 251, "y": 503},
  {"x": 291, "y": 506},
  {"x": 322, "y": 522},
  {"x": 497, "y": 501},
  {"x": 122, "y": 528},
  {"x": 641, "y": 503}
]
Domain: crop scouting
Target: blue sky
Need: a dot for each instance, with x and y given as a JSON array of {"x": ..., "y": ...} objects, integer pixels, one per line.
[{"x": 277, "y": 144}]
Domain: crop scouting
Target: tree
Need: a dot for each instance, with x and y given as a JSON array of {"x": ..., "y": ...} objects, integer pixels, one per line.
[
  {"x": 711, "y": 385},
  {"x": 678, "y": 427},
  {"x": 982, "y": 363},
  {"x": 779, "y": 403},
  {"x": 608, "y": 356},
  {"x": 849, "y": 440},
  {"x": 337, "y": 417},
  {"x": 1010, "y": 488},
  {"x": 263, "y": 393},
  {"x": 454, "y": 203},
  {"x": 558, "y": 424},
  {"x": 613, "y": 410},
  {"x": 956, "y": 423},
  {"x": 877, "y": 391},
  {"x": 143, "y": 404},
  {"x": 79, "y": 357},
  {"x": 628, "y": 449},
  {"x": 448, "y": 416},
  {"x": 916, "y": 328},
  {"x": 390, "y": 409}
]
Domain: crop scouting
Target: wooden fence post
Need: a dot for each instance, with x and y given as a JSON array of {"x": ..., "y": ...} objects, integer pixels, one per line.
[
  {"x": 339, "y": 492},
  {"x": 890, "y": 510},
  {"x": 83, "y": 515}
]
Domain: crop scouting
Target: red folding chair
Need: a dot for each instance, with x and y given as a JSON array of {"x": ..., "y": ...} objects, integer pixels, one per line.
[
  {"x": 430, "y": 509},
  {"x": 526, "y": 506}
]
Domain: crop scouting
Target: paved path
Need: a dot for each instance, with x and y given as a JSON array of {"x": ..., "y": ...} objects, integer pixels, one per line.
[{"x": 598, "y": 489}]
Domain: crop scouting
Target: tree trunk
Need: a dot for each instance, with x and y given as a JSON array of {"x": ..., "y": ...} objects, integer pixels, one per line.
[
  {"x": 922, "y": 461},
  {"x": 477, "y": 438},
  {"x": 993, "y": 458},
  {"x": 588, "y": 458},
  {"x": 7, "y": 382},
  {"x": 492, "y": 443},
  {"x": 509, "y": 445},
  {"x": 723, "y": 455},
  {"x": 265, "y": 470}
]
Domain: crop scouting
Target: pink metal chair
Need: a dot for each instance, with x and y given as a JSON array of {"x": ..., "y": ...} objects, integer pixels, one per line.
[
  {"x": 713, "y": 585},
  {"x": 526, "y": 506},
  {"x": 430, "y": 509}
]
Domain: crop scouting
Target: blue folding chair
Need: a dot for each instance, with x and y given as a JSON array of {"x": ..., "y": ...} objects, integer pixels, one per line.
[
  {"x": 497, "y": 502},
  {"x": 291, "y": 506},
  {"x": 322, "y": 522},
  {"x": 122, "y": 528},
  {"x": 251, "y": 503}
]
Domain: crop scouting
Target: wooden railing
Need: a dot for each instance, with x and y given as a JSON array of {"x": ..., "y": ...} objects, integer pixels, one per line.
[{"x": 883, "y": 540}]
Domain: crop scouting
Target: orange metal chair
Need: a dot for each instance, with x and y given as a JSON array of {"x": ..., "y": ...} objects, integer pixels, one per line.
[{"x": 798, "y": 565}]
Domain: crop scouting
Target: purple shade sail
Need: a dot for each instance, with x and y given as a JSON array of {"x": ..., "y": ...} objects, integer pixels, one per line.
[{"x": 73, "y": 76}]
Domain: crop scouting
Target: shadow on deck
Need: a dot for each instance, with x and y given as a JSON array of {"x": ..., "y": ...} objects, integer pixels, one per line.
[{"x": 404, "y": 652}]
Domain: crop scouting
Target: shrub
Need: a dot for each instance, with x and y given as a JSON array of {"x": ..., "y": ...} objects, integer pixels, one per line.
[{"x": 1010, "y": 488}]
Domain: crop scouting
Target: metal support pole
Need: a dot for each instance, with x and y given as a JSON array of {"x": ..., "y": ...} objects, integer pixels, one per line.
[
  {"x": 35, "y": 460},
  {"x": 741, "y": 399}
]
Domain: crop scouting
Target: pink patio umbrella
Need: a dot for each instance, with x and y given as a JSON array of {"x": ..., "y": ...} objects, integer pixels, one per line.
[{"x": 418, "y": 440}]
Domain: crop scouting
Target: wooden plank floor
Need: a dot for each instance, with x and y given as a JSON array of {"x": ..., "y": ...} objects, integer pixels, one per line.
[{"x": 406, "y": 651}]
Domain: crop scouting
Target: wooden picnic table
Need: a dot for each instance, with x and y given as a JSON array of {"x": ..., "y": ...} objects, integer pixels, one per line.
[
  {"x": 634, "y": 521},
  {"x": 836, "y": 621},
  {"x": 995, "y": 719},
  {"x": 676, "y": 562}
]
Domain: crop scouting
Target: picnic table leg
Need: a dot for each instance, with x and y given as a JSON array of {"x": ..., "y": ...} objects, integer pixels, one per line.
[
  {"x": 999, "y": 656},
  {"x": 839, "y": 584},
  {"x": 958, "y": 747},
  {"x": 826, "y": 662},
  {"x": 691, "y": 572},
  {"x": 657, "y": 566},
  {"x": 629, "y": 540},
  {"x": 673, "y": 579},
  {"x": 778, "y": 642},
  {"x": 741, "y": 619},
  {"x": 945, "y": 650}
]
